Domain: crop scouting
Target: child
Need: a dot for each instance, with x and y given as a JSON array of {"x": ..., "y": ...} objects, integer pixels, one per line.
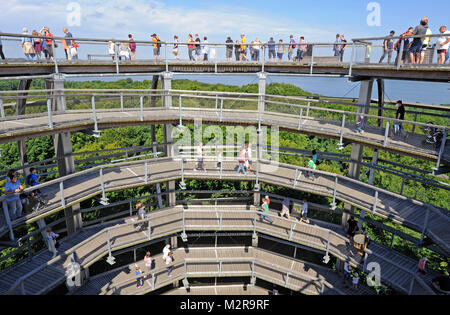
[
  {"x": 355, "y": 281},
  {"x": 140, "y": 280},
  {"x": 360, "y": 124}
]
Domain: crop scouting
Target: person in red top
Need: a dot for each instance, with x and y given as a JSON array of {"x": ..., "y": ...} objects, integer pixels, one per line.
[
  {"x": 421, "y": 266},
  {"x": 48, "y": 42},
  {"x": 405, "y": 45},
  {"x": 190, "y": 47}
]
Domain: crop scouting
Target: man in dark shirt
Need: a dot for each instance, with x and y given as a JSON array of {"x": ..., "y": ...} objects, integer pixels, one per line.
[
  {"x": 229, "y": 48},
  {"x": 388, "y": 47},
  {"x": 400, "y": 115},
  {"x": 351, "y": 227},
  {"x": 416, "y": 46},
  {"x": 271, "y": 45},
  {"x": 197, "y": 48}
]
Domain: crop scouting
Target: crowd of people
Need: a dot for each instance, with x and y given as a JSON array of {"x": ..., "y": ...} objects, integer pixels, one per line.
[{"x": 413, "y": 50}]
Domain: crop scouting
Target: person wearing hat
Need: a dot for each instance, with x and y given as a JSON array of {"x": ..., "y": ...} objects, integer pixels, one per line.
[
  {"x": 421, "y": 266},
  {"x": 156, "y": 47},
  {"x": 48, "y": 49},
  {"x": 27, "y": 45},
  {"x": 243, "y": 48}
]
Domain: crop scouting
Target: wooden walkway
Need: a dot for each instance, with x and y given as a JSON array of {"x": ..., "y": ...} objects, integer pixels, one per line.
[
  {"x": 222, "y": 262},
  {"x": 219, "y": 290},
  {"x": 124, "y": 233},
  {"x": 397, "y": 208},
  {"x": 76, "y": 120},
  {"x": 434, "y": 73}
]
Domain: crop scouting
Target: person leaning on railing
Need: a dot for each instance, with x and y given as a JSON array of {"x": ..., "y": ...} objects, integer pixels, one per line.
[
  {"x": 443, "y": 45},
  {"x": 1, "y": 50},
  {"x": 13, "y": 202}
]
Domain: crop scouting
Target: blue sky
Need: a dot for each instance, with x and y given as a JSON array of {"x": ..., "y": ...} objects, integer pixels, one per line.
[{"x": 316, "y": 20}]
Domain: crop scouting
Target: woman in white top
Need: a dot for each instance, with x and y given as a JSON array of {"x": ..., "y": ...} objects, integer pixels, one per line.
[
  {"x": 112, "y": 49},
  {"x": 169, "y": 260},
  {"x": 166, "y": 250},
  {"x": 148, "y": 262},
  {"x": 443, "y": 44},
  {"x": 124, "y": 51},
  {"x": 51, "y": 241}
]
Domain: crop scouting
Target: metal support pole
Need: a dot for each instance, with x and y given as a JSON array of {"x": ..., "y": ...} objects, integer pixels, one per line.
[
  {"x": 425, "y": 224},
  {"x": 295, "y": 179},
  {"x": 149, "y": 230},
  {"x": 153, "y": 281},
  {"x": 94, "y": 113},
  {"x": 291, "y": 231},
  {"x": 333, "y": 204},
  {"x": 146, "y": 173},
  {"x": 400, "y": 56},
  {"x": 141, "y": 108},
  {"x": 54, "y": 57},
  {"x": 414, "y": 125},
  {"x": 365, "y": 262},
  {"x": 180, "y": 106},
  {"x": 131, "y": 209},
  {"x": 300, "y": 119},
  {"x": 102, "y": 185},
  {"x": 441, "y": 151},
  {"x": 307, "y": 109},
  {"x": 165, "y": 57},
  {"x": 392, "y": 240},
  {"x": 121, "y": 101},
  {"x": 254, "y": 224},
  {"x": 2, "y": 109},
  {"x": 386, "y": 133},
  {"x": 328, "y": 243},
  {"x": 108, "y": 243},
  {"x": 341, "y": 143},
  {"x": 263, "y": 58},
  {"x": 61, "y": 189},
  {"x": 220, "y": 221},
  {"x": 411, "y": 284},
  {"x": 116, "y": 48},
  {"x": 312, "y": 60},
  {"x": 221, "y": 109},
  {"x": 50, "y": 115},
  {"x": 220, "y": 268},
  {"x": 351, "y": 60},
  {"x": 403, "y": 185},
  {"x": 8, "y": 219},
  {"x": 287, "y": 280},
  {"x": 374, "y": 206}
]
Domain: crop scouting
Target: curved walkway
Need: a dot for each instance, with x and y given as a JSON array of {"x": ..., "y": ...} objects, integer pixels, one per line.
[
  {"x": 397, "y": 208},
  {"x": 127, "y": 232}
]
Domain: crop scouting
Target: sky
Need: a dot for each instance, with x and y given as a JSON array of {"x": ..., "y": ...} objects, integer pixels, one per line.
[{"x": 316, "y": 20}]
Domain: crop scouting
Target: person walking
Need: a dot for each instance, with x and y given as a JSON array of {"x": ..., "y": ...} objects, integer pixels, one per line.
[
  {"x": 175, "y": 49},
  {"x": 241, "y": 161},
  {"x": 351, "y": 227},
  {"x": 219, "y": 160},
  {"x": 156, "y": 47},
  {"x": 68, "y": 43},
  {"x": 285, "y": 208},
  {"x": 148, "y": 261},
  {"x": 347, "y": 274},
  {"x": 229, "y": 49},
  {"x": 27, "y": 45},
  {"x": 1, "y": 50},
  {"x": 406, "y": 44},
  {"x": 272, "y": 53},
  {"x": 139, "y": 280},
  {"x": 311, "y": 166},
  {"x": 301, "y": 49},
  {"x": 415, "y": 50},
  {"x": 132, "y": 45},
  {"x": 265, "y": 209},
  {"x": 51, "y": 241},
  {"x": 248, "y": 155},
  {"x": 243, "y": 48},
  {"x": 343, "y": 45},
  {"x": 237, "y": 50},
  {"x": 12, "y": 187},
  {"x": 291, "y": 48},
  {"x": 142, "y": 215},
  {"x": 388, "y": 47},
  {"x": 48, "y": 49},
  {"x": 190, "y": 47},
  {"x": 205, "y": 50},
  {"x": 112, "y": 49},
  {"x": 257, "y": 49},
  {"x": 336, "y": 47},
  {"x": 37, "y": 43},
  {"x": 280, "y": 51},
  {"x": 355, "y": 280},
  {"x": 169, "y": 260},
  {"x": 197, "y": 48},
  {"x": 421, "y": 266},
  {"x": 443, "y": 44},
  {"x": 400, "y": 116},
  {"x": 304, "y": 212},
  {"x": 166, "y": 251},
  {"x": 200, "y": 158}
]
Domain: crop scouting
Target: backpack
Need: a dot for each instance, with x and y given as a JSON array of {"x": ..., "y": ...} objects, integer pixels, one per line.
[{"x": 158, "y": 42}]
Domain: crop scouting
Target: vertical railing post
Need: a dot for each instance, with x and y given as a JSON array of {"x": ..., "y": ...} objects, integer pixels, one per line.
[
  {"x": 350, "y": 69},
  {"x": 392, "y": 240},
  {"x": 165, "y": 57},
  {"x": 94, "y": 113},
  {"x": 263, "y": 58},
  {"x": 121, "y": 101},
  {"x": 295, "y": 179},
  {"x": 333, "y": 204},
  {"x": 2, "y": 109},
  {"x": 54, "y": 56},
  {"x": 365, "y": 262},
  {"x": 312, "y": 60},
  {"x": 131, "y": 209},
  {"x": 386, "y": 133},
  {"x": 291, "y": 230},
  {"x": 221, "y": 109},
  {"x": 425, "y": 223},
  {"x": 181, "y": 110},
  {"x": 254, "y": 223},
  {"x": 108, "y": 242},
  {"x": 146, "y": 173},
  {"x": 341, "y": 143},
  {"x": 307, "y": 109},
  {"x": 300, "y": 118},
  {"x": 50, "y": 114},
  {"x": 411, "y": 285},
  {"x": 61, "y": 189},
  {"x": 153, "y": 281},
  {"x": 30, "y": 253},
  {"x": 220, "y": 221},
  {"x": 414, "y": 125},
  {"x": 400, "y": 55},
  {"x": 141, "y": 108},
  {"x": 403, "y": 185},
  {"x": 8, "y": 219},
  {"x": 220, "y": 268},
  {"x": 287, "y": 280},
  {"x": 441, "y": 151},
  {"x": 116, "y": 49},
  {"x": 328, "y": 243},
  {"x": 374, "y": 206},
  {"x": 149, "y": 230},
  {"x": 104, "y": 200}
]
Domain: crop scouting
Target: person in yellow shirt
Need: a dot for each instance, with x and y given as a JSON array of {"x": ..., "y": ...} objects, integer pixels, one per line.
[
  {"x": 156, "y": 47},
  {"x": 243, "y": 48}
]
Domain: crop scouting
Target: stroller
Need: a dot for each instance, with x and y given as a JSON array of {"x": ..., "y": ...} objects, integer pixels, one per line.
[{"x": 433, "y": 136}]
